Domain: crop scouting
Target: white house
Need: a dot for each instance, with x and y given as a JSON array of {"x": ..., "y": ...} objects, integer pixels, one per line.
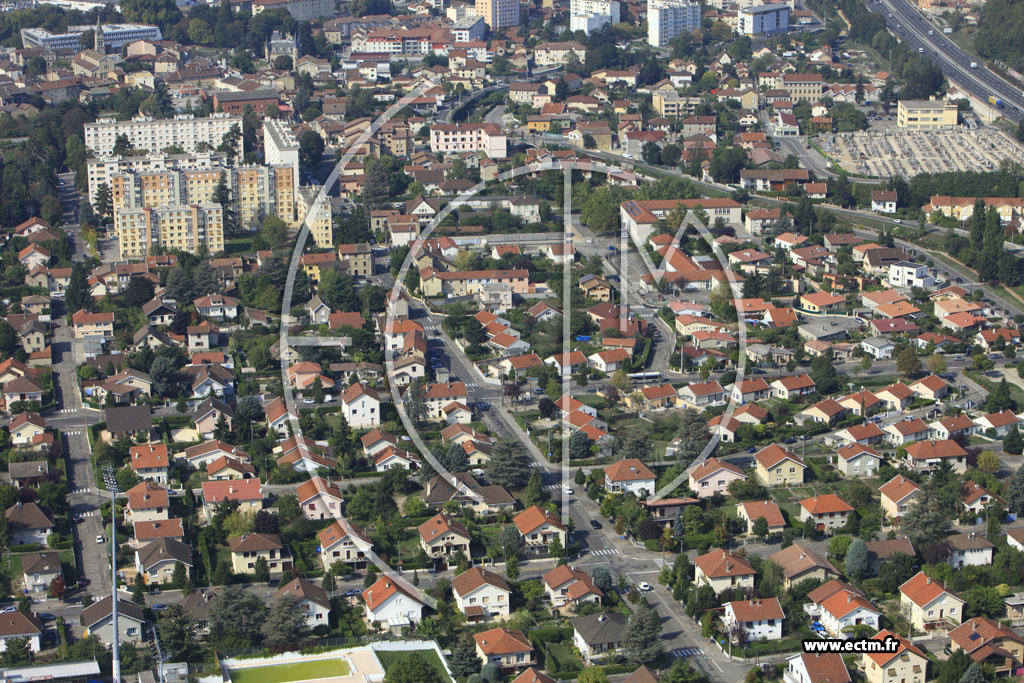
[
  {"x": 480, "y": 594},
  {"x": 884, "y": 201},
  {"x": 841, "y": 608},
  {"x": 361, "y": 406},
  {"x": 855, "y": 460},
  {"x": 312, "y": 600},
  {"x": 760, "y": 619},
  {"x": 629, "y": 475},
  {"x": 816, "y": 668},
  {"x": 390, "y": 602},
  {"x": 319, "y": 498},
  {"x": 18, "y": 625},
  {"x": 907, "y": 274},
  {"x": 969, "y": 550},
  {"x": 878, "y": 348}
]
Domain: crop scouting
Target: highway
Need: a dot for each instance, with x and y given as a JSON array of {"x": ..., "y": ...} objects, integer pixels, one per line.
[{"x": 905, "y": 21}]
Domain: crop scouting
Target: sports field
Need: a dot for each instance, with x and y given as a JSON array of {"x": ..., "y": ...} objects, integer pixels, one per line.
[{"x": 294, "y": 671}]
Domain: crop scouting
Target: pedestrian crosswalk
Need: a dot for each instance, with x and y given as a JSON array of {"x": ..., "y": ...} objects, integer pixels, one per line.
[
  {"x": 89, "y": 513},
  {"x": 80, "y": 490},
  {"x": 605, "y": 551},
  {"x": 69, "y": 410},
  {"x": 684, "y": 652},
  {"x": 73, "y": 432}
]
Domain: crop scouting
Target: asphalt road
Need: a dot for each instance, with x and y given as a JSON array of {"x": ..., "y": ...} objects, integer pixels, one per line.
[{"x": 905, "y": 21}]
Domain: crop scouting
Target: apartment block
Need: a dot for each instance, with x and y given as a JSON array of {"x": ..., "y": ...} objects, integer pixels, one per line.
[
  {"x": 763, "y": 20},
  {"x": 316, "y": 214},
  {"x": 456, "y": 138},
  {"x": 175, "y": 227},
  {"x": 280, "y": 146},
  {"x": 666, "y": 19},
  {"x": 156, "y": 135},
  {"x": 926, "y": 114},
  {"x": 101, "y": 170},
  {"x": 256, "y": 191},
  {"x": 114, "y": 36},
  {"x": 591, "y": 15},
  {"x": 498, "y": 14}
]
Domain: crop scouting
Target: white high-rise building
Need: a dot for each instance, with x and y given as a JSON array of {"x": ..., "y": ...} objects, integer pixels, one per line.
[
  {"x": 591, "y": 15},
  {"x": 763, "y": 20},
  {"x": 666, "y": 19},
  {"x": 156, "y": 135},
  {"x": 114, "y": 36},
  {"x": 280, "y": 145}
]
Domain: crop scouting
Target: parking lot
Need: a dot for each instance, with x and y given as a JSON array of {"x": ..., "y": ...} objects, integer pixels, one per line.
[{"x": 886, "y": 153}]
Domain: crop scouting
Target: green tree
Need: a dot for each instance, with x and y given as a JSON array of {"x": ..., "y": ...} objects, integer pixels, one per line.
[
  {"x": 16, "y": 653},
  {"x": 286, "y": 622},
  {"x": 509, "y": 465},
  {"x": 641, "y": 639},
  {"x": 412, "y": 668},
  {"x": 103, "y": 202},
  {"x": 222, "y": 197},
  {"x": 464, "y": 660},
  {"x": 1013, "y": 444},
  {"x": 311, "y": 148},
  {"x": 857, "y": 561},
  {"x": 177, "y": 631},
  {"x": 908, "y": 362},
  {"x": 602, "y": 578},
  {"x": 534, "y": 493},
  {"x": 237, "y": 614},
  {"x": 838, "y": 546},
  {"x": 163, "y": 13},
  {"x": 274, "y": 231},
  {"x": 974, "y": 674},
  {"x": 988, "y": 462},
  {"x": 556, "y": 550},
  {"x": 760, "y": 528},
  {"x": 999, "y": 399},
  {"x": 1015, "y": 492}
]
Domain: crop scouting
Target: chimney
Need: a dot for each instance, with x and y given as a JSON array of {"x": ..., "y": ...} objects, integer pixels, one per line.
[
  {"x": 928, "y": 581},
  {"x": 849, "y": 598},
  {"x": 974, "y": 624},
  {"x": 601, "y": 617}
]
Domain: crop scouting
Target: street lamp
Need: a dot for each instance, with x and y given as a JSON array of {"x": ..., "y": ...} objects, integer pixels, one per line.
[{"x": 110, "y": 481}]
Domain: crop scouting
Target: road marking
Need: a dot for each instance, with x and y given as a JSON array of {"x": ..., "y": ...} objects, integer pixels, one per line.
[
  {"x": 606, "y": 551},
  {"x": 684, "y": 652}
]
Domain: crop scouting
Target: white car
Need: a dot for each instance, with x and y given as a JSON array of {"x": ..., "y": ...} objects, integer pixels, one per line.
[
  {"x": 100, "y": 539},
  {"x": 308, "y": 400},
  {"x": 643, "y": 587}
]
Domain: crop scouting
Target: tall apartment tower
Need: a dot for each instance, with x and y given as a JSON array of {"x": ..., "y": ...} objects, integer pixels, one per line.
[
  {"x": 591, "y": 15},
  {"x": 498, "y": 14},
  {"x": 666, "y": 19}
]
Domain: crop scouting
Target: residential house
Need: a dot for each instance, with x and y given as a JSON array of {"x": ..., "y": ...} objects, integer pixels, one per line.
[
  {"x": 540, "y": 527},
  {"x": 319, "y": 498},
  {"x": 816, "y": 668},
  {"x": 598, "y": 635},
  {"x": 969, "y": 550},
  {"x": 766, "y": 509},
  {"x": 481, "y": 594},
  {"x": 313, "y": 601},
  {"x": 27, "y": 523},
  {"x": 390, "y": 601},
  {"x": 629, "y": 475},
  {"x": 150, "y": 462},
  {"x": 989, "y": 643},
  {"x": 38, "y": 570},
  {"x": 827, "y": 510},
  {"x": 905, "y": 663},
  {"x": 856, "y": 460},
  {"x": 931, "y": 606},
  {"x": 843, "y": 610},
  {"x": 714, "y": 476},
  {"x": 248, "y": 548},
  {"x": 721, "y": 569},
  {"x": 343, "y": 542},
  {"x": 897, "y": 495},
  {"x": 778, "y": 467},
  {"x": 442, "y": 537},
  {"x": 97, "y": 620},
  {"x": 508, "y": 648},
  {"x": 925, "y": 456},
  {"x": 798, "y": 562},
  {"x": 760, "y": 619},
  {"x": 568, "y": 587},
  {"x": 157, "y": 560}
]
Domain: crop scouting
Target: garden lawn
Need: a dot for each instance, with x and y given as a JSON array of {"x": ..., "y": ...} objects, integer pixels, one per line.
[
  {"x": 295, "y": 671},
  {"x": 389, "y": 659}
]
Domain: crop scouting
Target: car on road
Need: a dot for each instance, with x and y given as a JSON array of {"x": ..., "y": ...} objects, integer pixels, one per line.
[
  {"x": 790, "y": 440},
  {"x": 308, "y": 400},
  {"x": 159, "y": 606},
  {"x": 9, "y": 610},
  {"x": 594, "y": 524},
  {"x": 568, "y": 491},
  {"x": 538, "y": 390},
  {"x": 100, "y": 539},
  {"x": 643, "y": 587},
  {"x": 352, "y": 592},
  {"x": 890, "y": 15},
  {"x": 46, "y": 616},
  {"x": 82, "y": 581},
  {"x": 752, "y": 449}
]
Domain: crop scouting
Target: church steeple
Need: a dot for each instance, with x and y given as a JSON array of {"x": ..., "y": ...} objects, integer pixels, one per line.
[{"x": 97, "y": 38}]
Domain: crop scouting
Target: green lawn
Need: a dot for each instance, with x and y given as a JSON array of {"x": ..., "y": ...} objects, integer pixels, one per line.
[
  {"x": 298, "y": 671},
  {"x": 389, "y": 658}
]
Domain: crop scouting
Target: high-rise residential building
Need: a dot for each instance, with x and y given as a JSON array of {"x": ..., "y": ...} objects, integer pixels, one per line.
[
  {"x": 101, "y": 170},
  {"x": 666, "y": 19},
  {"x": 591, "y": 15},
  {"x": 317, "y": 214},
  {"x": 763, "y": 20},
  {"x": 256, "y": 191},
  {"x": 498, "y": 14},
  {"x": 185, "y": 227},
  {"x": 280, "y": 146},
  {"x": 144, "y": 132},
  {"x": 301, "y": 10},
  {"x": 114, "y": 36}
]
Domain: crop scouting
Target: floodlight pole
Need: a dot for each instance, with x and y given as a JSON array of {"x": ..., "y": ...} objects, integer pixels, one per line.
[{"x": 110, "y": 480}]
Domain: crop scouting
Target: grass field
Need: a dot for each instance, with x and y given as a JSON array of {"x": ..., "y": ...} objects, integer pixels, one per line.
[
  {"x": 298, "y": 671},
  {"x": 390, "y": 658}
]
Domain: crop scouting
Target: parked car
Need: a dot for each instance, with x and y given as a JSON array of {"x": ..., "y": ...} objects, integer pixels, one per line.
[{"x": 594, "y": 524}]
